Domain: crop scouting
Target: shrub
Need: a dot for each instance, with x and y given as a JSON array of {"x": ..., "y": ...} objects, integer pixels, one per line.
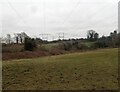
[
  {"x": 103, "y": 42},
  {"x": 82, "y": 46},
  {"x": 30, "y": 44},
  {"x": 65, "y": 46},
  {"x": 42, "y": 48}
]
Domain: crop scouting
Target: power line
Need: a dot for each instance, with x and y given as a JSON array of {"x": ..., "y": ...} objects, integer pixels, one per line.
[
  {"x": 16, "y": 11},
  {"x": 91, "y": 16},
  {"x": 95, "y": 22},
  {"x": 61, "y": 36},
  {"x": 70, "y": 14},
  {"x": 44, "y": 36},
  {"x": 72, "y": 11},
  {"x": 44, "y": 14}
]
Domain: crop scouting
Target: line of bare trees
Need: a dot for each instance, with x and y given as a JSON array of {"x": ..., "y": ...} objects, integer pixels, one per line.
[{"x": 18, "y": 38}]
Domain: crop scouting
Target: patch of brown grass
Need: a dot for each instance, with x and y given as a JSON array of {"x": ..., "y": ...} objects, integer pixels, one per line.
[{"x": 22, "y": 55}]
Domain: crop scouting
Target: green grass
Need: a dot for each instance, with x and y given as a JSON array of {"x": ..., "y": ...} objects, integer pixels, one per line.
[
  {"x": 89, "y": 44},
  {"x": 12, "y": 48},
  {"x": 77, "y": 71},
  {"x": 50, "y": 45}
]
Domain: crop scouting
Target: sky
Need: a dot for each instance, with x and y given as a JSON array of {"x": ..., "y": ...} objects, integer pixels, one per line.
[{"x": 73, "y": 17}]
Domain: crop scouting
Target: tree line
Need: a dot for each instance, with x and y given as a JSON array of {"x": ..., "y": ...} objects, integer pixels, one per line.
[{"x": 67, "y": 44}]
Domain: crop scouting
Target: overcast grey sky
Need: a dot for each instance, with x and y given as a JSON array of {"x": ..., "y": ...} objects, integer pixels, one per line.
[{"x": 73, "y": 17}]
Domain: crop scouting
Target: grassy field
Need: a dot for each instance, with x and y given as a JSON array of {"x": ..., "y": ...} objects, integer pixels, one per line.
[
  {"x": 12, "y": 48},
  {"x": 50, "y": 45},
  {"x": 77, "y": 71},
  {"x": 89, "y": 44}
]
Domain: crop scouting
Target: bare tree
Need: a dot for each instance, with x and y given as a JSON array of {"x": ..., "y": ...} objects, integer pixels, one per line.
[
  {"x": 20, "y": 37},
  {"x": 96, "y": 36},
  {"x": 114, "y": 37},
  {"x": 23, "y": 36},
  {"x": 16, "y": 38},
  {"x": 8, "y": 38},
  {"x": 92, "y": 35}
]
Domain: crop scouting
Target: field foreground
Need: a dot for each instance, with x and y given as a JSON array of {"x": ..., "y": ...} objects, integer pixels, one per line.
[{"x": 93, "y": 70}]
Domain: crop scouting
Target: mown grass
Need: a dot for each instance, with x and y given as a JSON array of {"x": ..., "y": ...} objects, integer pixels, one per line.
[{"x": 93, "y": 70}]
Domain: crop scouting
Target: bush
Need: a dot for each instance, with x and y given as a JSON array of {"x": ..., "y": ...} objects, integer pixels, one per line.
[
  {"x": 81, "y": 46},
  {"x": 55, "y": 51},
  {"x": 30, "y": 44},
  {"x": 65, "y": 46},
  {"x": 73, "y": 45},
  {"x": 42, "y": 48},
  {"x": 103, "y": 42}
]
